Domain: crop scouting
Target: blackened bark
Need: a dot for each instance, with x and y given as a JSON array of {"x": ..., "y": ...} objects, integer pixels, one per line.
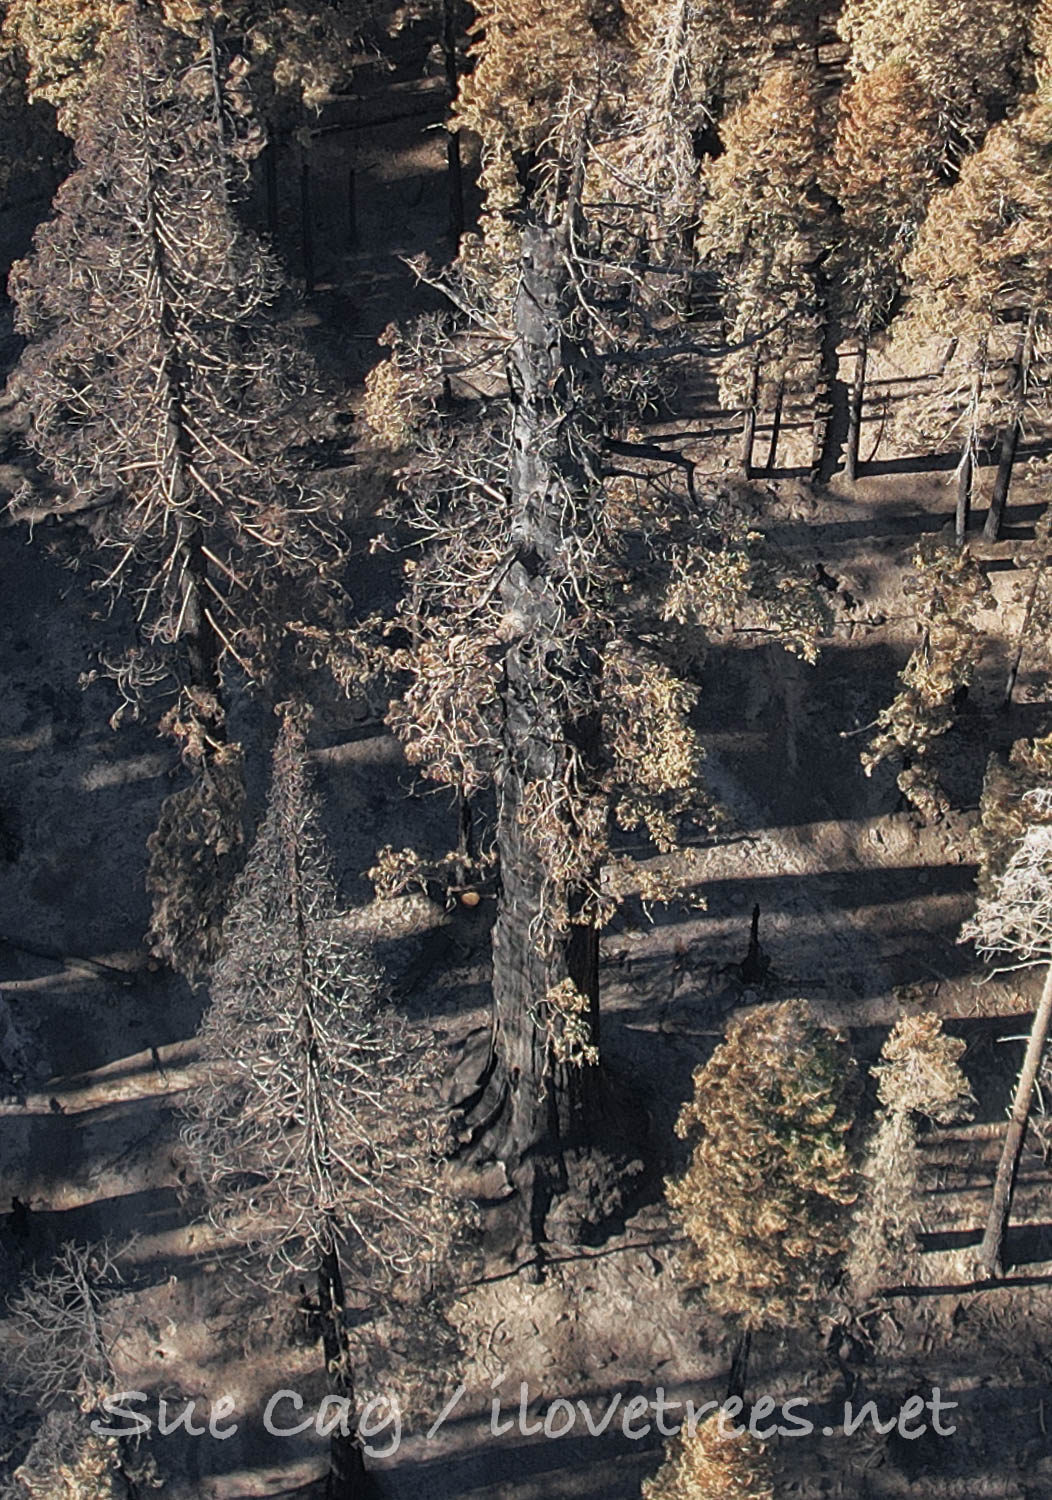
[
  {"x": 854, "y": 410},
  {"x": 347, "y": 1479},
  {"x": 1024, "y": 629},
  {"x": 826, "y": 386},
  {"x": 455, "y": 176},
  {"x": 739, "y": 1369},
  {"x": 306, "y": 221},
  {"x": 776, "y": 426},
  {"x": 965, "y": 470},
  {"x": 749, "y": 427},
  {"x": 533, "y": 1106},
  {"x": 1010, "y": 435}
]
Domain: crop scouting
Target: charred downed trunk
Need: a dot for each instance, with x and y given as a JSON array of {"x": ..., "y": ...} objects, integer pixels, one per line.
[{"x": 534, "y": 1107}]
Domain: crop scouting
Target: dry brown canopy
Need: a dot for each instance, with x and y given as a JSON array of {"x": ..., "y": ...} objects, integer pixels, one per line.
[
  {"x": 295, "y": 51},
  {"x": 919, "y": 1070},
  {"x": 711, "y": 1464},
  {"x": 882, "y": 172},
  {"x": 763, "y": 223},
  {"x": 986, "y": 244},
  {"x": 763, "y": 1199},
  {"x": 969, "y": 58},
  {"x": 951, "y": 589}
]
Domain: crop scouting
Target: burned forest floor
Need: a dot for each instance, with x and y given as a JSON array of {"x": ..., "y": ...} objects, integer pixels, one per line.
[{"x": 861, "y": 905}]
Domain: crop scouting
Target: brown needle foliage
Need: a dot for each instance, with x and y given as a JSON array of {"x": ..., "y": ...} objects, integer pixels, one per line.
[
  {"x": 950, "y": 589},
  {"x": 763, "y": 1198},
  {"x": 710, "y": 1464},
  {"x": 919, "y": 1078}
]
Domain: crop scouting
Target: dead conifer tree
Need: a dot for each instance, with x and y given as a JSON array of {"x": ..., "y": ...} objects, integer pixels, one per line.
[
  {"x": 1013, "y": 925},
  {"x": 763, "y": 1198},
  {"x": 312, "y": 1132},
  {"x": 61, "y": 1340},
  {"x": 545, "y": 654},
  {"x": 919, "y": 1078},
  {"x": 950, "y": 589},
  {"x": 164, "y": 400}
]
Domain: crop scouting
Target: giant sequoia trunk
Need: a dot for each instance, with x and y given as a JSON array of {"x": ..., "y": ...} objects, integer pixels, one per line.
[{"x": 530, "y": 1107}]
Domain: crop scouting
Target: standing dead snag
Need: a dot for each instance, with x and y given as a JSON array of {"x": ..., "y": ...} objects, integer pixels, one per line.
[
  {"x": 164, "y": 401},
  {"x": 770, "y": 1174},
  {"x": 312, "y": 1131},
  {"x": 546, "y": 650},
  {"x": 1015, "y": 921}
]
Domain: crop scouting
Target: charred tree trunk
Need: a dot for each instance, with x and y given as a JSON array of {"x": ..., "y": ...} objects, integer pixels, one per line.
[
  {"x": 352, "y": 209},
  {"x": 1010, "y": 435},
  {"x": 347, "y": 1479},
  {"x": 739, "y": 1370},
  {"x": 749, "y": 427},
  {"x": 531, "y": 1107},
  {"x": 776, "y": 426},
  {"x": 991, "y": 1251},
  {"x": 1024, "y": 629},
  {"x": 966, "y": 465},
  {"x": 270, "y": 161},
  {"x": 465, "y": 837},
  {"x": 306, "y": 221},
  {"x": 828, "y": 389},
  {"x": 854, "y": 410},
  {"x": 454, "y": 169}
]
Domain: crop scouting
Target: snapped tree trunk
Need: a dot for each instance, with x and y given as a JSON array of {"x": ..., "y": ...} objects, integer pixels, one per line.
[
  {"x": 991, "y": 1251},
  {"x": 1010, "y": 435},
  {"x": 530, "y": 1106},
  {"x": 854, "y": 410},
  {"x": 347, "y": 1479}
]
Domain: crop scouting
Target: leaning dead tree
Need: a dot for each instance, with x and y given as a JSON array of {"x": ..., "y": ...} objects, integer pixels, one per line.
[
  {"x": 313, "y": 1131},
  {"x": 1013, "y": 925},
  {"x": 165, "y": 402},
  {"x": 61, "y": 1340}
]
